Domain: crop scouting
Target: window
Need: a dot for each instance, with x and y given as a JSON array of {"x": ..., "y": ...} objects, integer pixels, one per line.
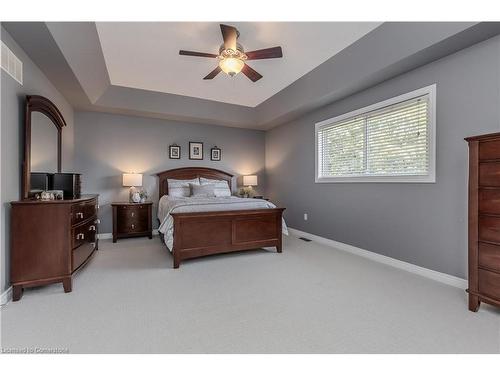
[{"x": 391, "y": 141}]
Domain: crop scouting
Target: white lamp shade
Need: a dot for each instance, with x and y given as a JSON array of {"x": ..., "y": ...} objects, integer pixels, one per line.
[
  {"x": 132, "y": 179},
  {"x": 250, "y": 180}
]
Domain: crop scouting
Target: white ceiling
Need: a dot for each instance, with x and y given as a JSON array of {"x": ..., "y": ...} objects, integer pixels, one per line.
[{"x": 145, "y": 55}]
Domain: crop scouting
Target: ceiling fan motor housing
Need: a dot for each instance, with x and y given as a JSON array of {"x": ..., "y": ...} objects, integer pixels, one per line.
[{"x": 227, "y": 53}]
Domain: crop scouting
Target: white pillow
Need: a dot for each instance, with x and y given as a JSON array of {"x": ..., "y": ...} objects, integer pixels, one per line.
[
  {"x": 221, "y": 187},
  {"x": 202, "y": 190},
  {"x": 180, "y": 188}
]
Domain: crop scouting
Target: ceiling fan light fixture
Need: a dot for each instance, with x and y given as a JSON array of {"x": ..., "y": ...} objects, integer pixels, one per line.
[
  {"x": 232, "y": 56},
  {"x": 231, "y": 65}
]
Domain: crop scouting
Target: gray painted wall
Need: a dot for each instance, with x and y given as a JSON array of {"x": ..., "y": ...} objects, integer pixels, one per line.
[
  {"x": 12, "y": 115},
  {"x": 108, "y": 145},
  {"x": 424, "y": 224}
]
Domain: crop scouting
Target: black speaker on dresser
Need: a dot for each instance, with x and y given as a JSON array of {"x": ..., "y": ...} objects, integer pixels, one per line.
[
  {"x": 69, "y": 183},
  {"x": 40, "y": 182}
]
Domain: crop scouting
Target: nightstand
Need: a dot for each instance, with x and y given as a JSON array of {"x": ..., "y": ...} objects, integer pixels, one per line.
[{"x": 132, "y": 220}]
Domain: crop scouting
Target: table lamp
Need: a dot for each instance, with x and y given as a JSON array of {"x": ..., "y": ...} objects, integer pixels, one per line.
[
  {"x": 133, "y": 180},
  {"x": 249, "y": 182}
]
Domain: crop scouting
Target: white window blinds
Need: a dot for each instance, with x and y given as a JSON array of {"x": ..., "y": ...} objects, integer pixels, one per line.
[{"x": 390, "y": 141}]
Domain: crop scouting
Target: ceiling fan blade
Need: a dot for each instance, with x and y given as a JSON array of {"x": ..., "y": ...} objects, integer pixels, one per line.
[
  {"x": 266, "y": 53},
  {"x": 229, "y": 34},
  {"x": 250, "y": 73},
  {"x": 197, "y": 54},
  {"x": 213, "y": 73}
]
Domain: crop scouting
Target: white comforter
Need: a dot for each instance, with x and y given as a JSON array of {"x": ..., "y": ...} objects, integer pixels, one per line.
[{"x": 168, "y": 205}]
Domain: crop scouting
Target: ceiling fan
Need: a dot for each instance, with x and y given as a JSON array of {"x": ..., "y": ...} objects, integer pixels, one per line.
[{"x": 232, "y": 57}]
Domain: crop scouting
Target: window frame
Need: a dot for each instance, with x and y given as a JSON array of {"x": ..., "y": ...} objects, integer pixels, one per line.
[{"x": 428, "y": 178}]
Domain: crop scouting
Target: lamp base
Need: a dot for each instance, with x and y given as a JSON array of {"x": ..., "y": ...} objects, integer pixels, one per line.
[
  {"x": 249, "y": 192},
  {"x": 133, "y": 195}
]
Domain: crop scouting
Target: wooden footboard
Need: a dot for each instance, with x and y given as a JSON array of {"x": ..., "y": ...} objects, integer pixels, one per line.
[{"x": 205, "y": 233}]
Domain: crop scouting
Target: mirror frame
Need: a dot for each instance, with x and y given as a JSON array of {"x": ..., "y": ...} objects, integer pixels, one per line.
[{"x": 36, "y": 103}]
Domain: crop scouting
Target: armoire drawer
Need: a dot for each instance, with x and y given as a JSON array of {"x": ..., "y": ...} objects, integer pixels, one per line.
[
  {"x": 489, "y": 174},
  {"x": 489, "y": 228},
  {"x": 489, "y": 256},
  {"x": 489, "y": 201},
  {"x": 489, "y": 150},
  {"x": 489, "y": 283}
]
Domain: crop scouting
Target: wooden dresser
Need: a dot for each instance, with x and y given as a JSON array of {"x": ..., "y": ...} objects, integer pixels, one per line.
[
  {"x": 484, "y": 220},
  {"x": 132, "y": 220},
  {"x": 51, "y": 240}
]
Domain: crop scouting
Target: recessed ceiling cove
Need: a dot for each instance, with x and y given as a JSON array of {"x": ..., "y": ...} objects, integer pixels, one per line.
[{"x": 145, "y": 55}]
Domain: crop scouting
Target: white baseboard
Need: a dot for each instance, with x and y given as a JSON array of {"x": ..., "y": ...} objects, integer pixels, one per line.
[
  {"x": 6, "y": 296},
  {"x": 107, "y": 236},
  {"x": 425, "y": 272}
]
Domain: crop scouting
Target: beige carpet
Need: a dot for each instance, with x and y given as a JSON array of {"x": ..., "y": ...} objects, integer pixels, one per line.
[{"x": 310, "y": 299}]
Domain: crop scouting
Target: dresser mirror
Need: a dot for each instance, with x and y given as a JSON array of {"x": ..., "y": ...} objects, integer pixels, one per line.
[
  {"x": 44, "y": 144},
  {"x": 42, "y": 141}
]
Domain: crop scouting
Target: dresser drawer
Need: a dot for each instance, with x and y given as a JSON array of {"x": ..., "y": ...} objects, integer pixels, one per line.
[
  {"x": 489, "y": 256},
  {"x": 80, "y": 254},
  {"x": 489, "y": 229},
  {"x": 489, "y": 174},
  {"x": 489, "y": 283},
  {"x": 83, "y": 233},
  {"x": 82, "y": 211}
]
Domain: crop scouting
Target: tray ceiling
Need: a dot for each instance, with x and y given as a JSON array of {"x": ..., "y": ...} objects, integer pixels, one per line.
[{"x": 144, "y": 55}]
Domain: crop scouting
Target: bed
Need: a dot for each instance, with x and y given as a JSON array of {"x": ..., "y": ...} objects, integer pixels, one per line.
[{"x": 193, "y": 228}]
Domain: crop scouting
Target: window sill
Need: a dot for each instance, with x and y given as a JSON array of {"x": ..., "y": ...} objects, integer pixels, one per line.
[{"x": 378, "y": 179}]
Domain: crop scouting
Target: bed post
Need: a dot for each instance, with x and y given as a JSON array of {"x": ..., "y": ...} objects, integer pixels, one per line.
[
  {"x": 279, "y": 223},
  {"x": 177, "y": 261},
  {"x": 176, "y": 254}
]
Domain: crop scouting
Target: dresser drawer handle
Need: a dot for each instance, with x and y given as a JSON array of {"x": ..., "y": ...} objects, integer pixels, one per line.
[
  {"x": 133, "y": 226},
  {"x": 79, "y": 215},
  {"x": 132, "y": 214},
  {"x": 80, "y": 236},
  {"x": 97, "y": 221},
  {"x": 92, "y": 227}
]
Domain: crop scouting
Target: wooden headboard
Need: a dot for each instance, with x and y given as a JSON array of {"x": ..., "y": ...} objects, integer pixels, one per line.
[{"x": 189, "y": 173}]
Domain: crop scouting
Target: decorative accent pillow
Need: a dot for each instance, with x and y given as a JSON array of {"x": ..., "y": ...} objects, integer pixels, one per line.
[
  {"x": 221, "y": 188},
  {"x": 181, "y": 188},
  {"x": 202, "y": 190}
]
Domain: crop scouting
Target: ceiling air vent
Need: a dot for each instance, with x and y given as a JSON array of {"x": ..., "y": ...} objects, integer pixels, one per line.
[{"x": 11, "y": 64}]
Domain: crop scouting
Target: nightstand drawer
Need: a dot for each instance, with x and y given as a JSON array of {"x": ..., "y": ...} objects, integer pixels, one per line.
[
  {"x": 131, "y": 225},
  {"x": 138, "y": 213}
]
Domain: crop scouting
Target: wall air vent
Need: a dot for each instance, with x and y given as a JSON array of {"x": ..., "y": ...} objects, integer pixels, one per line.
[{"x": 11, "y": 64}]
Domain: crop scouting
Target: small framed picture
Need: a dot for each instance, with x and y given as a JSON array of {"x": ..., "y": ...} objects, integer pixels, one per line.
[
  {"x": 196, "y": 150},
  {"x": 215, "y": 154},
  {"x": 174, "y": 151}
]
